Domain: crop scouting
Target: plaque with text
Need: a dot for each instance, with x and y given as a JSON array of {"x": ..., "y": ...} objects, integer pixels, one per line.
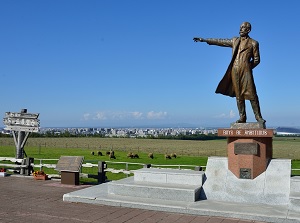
[
  {"x": 248, "y": 148},
  {"x": 69, "y": 163},
  {"x": 245, "y": 173},
  {"x": 252, "y": 133}
]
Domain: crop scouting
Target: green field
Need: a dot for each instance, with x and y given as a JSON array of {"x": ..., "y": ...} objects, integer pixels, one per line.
[
  {"x": 283, "y": 147},
  {"x": 189, "y": 152},
  {"x": 159, "y": 146}
]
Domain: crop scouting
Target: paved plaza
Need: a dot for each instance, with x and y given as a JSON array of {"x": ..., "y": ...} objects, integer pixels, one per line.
[{"x": 24, "y": 199}]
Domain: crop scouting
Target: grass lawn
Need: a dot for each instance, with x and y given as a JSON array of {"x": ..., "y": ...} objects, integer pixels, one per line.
[
  {"x": 189, "y": 152},
  {"x": 121, "y": 156}
]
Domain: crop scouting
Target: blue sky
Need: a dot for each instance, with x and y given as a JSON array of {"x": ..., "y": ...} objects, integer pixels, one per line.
[{"x": 106, "y": 63}]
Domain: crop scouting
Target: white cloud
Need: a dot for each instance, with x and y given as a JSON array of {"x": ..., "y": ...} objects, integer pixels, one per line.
[
  {"x": 100, "y": 116},
  {"x": 137, "y": 115},
  {"x": 156, "y": 115},
  {"x": 86, "y": 116},
  {"x": 125, "y": 115},
  {"x": 223, "y": 115},
  {"x": 230, "y": 115},
  {"x": 117, "y": 115},
  {"x": 108, "y": 115}
]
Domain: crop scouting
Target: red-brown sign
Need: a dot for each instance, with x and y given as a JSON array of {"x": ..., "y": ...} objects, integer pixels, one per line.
[{"x": 246, "y": 132}]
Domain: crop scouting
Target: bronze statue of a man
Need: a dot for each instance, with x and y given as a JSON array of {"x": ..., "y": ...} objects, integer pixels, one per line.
[{"x": 238, "y": 80}]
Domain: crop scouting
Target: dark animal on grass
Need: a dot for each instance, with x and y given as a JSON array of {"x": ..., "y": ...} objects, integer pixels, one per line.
[
  {"x": 150, "y": 155},
  {"x": 92, "y": 153},
  {"x": 135, "y": 155},
  {"x": 112, "y": 156},
  {"x": 132, "y": 155},
  {"x": 167, "y": 156},
  {"x": 100, "y": 153},
  {"x": 110, "y": 152}
]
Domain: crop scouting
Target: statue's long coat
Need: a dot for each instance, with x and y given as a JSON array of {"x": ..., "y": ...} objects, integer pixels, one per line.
[{"x": 238, "y": 80}]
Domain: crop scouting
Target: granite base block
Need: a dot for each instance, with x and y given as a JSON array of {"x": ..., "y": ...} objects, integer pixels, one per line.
[
  {"x": 295, "y": 194},
  {"x": 165, "y": 191},
  {"x": 169, "y": 176},
  {"x": 295, "y": 184},
  {"x": 270, "y": 187}
]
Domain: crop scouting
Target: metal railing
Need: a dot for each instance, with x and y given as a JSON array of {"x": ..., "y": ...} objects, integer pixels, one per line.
[{"x": 16, "y": 163}]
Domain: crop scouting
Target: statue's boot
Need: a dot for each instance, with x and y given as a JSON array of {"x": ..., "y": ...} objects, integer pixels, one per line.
[
  {"x": 256, "y": 110},
  {"x": 242, "y": 111}
]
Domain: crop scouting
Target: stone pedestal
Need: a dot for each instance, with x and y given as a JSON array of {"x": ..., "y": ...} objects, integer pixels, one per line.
[
  {"x": 249, "y": 149},
  {"x": 71, "y": 178},
  {"x": 272, "y": 187}
]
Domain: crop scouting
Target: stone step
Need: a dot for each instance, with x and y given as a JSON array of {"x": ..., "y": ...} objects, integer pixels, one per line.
[
  {"x": 295, "y": 194},
  {"x": 169, "y": 176},
  {"x": 295, "y": 184},
  {"x": 164, "y": 191},
  {"x": 294, "y": 201}
]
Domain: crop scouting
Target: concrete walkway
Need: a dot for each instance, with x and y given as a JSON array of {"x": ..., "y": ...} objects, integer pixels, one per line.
[
  {"x": 256, "y": 212},
  {"x": 24, "y": 199}
]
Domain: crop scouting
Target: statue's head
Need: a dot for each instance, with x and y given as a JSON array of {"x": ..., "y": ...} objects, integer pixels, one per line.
[{"x": 245, "y": 29}]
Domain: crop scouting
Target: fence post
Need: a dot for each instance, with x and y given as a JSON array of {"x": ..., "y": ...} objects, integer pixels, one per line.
[
  {"x": 198, "y": 168},
  {"x": 28, "y": 169},
  {"x": 41, "y": 166},
  {"x": 101, "y": 172},
  {"x": 126, "y": 169},
  {"x": 22, "y": 169},
  {"x": 147, "y": 166}
]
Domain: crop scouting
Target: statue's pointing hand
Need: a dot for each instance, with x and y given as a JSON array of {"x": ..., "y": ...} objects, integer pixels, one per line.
[{"x": 198, "y": 39}]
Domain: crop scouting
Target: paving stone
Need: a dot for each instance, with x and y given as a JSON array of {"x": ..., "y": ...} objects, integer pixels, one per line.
[{"x": 27, "y": 200}]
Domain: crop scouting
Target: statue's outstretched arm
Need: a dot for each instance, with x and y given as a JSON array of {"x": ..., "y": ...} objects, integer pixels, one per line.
[
  {"x": 199, "y": 39},
  {"x": 212, "y": 41}
]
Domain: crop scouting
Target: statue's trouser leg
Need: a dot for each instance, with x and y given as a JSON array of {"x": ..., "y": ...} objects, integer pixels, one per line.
[
  {"x": 256, "y": 110},
  {"x": 242, "y": 111}
]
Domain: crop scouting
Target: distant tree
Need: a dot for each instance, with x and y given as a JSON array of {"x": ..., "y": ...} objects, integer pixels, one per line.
[
  {"x": 66, "y": 134},
  {"x": 5, "y": 135}
]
